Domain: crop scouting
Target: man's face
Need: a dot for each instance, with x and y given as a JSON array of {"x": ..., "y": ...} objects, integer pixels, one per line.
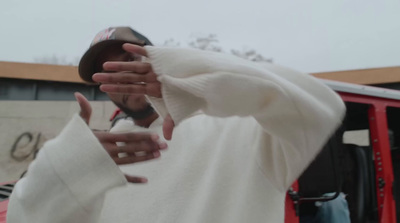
[{"x": 116, "y": 53}]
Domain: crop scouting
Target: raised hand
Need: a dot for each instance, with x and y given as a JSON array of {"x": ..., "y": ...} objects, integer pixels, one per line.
[
  {"x": 134, "y": 77},
  {"x": 135, "y": 147}
]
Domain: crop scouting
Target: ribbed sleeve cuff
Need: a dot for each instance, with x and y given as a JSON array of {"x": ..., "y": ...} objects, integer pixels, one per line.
[
  {"x": 156, "y": 59},
  {"x": 81, "y": 162},
  {"x": 182, "y": 96}
]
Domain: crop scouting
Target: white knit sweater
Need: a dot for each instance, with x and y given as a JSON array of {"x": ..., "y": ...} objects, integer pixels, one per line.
[{"x": 244, "y": 133}]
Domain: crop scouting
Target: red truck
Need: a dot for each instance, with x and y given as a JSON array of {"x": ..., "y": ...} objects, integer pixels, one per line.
[
  {"x": 369, "y": 174},
  {"x": 5, "y": 192}
]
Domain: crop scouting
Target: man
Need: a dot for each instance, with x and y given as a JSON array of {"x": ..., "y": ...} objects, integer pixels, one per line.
[
  {"x": 240, "y": 133},
  {"x": 134, "y": 106}
]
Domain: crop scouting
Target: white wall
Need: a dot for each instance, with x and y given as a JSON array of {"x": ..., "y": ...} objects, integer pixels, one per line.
[{"x": 44, "y": 117}]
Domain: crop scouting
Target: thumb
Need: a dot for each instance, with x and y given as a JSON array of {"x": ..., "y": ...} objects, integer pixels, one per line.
[
  {"x": 168, "y": 127},
  {"x": 86, "y": 109},
  {"x": 134, "y": 179}
]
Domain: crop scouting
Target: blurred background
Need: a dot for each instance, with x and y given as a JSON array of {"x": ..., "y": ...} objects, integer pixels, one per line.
[{"x": 42, "y": 41}]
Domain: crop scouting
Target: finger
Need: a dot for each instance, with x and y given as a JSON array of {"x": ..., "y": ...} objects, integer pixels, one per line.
[
  {"x": 127, "y": 137},
  {"x": 132, "y": 66},
  {"x": 133, "y": 148},
  {"x": 136, "y": 159},
  {"x": 168, "y": 127},
  {"x": 151, "y": 89},
  {"x": 85, "y": 108},
  {"x": 133, "y": 179},
  {"x": 124, "y": 77},
  {"x": 132, "y": 48},
  {"x": 144, "y": 146}
]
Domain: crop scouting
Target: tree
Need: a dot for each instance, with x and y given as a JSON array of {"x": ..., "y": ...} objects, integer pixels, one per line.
[
  {"x": 206, "y": 43},
  {"x": 210, "y": 43},
  {"x": 251, "y": 54},
  {"x": 171, "y": 43}
]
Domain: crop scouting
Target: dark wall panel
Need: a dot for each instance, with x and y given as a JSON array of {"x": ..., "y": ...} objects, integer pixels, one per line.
[{"x": 17, "y": 89}]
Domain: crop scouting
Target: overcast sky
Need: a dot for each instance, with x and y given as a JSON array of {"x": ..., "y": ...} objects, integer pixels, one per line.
[{"x": 308, "y": 35}]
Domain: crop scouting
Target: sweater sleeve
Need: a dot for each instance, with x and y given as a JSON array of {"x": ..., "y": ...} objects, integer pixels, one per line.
[
  {"x": 68, "y": 180},
  {"x": 297, "y": 112}
]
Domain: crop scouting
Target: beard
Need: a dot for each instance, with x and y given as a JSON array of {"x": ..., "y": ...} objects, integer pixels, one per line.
[{"x": 136, "y": 115}]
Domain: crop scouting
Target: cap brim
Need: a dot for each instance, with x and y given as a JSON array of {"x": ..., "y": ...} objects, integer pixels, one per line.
[{"x": 87, "y": 63}]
